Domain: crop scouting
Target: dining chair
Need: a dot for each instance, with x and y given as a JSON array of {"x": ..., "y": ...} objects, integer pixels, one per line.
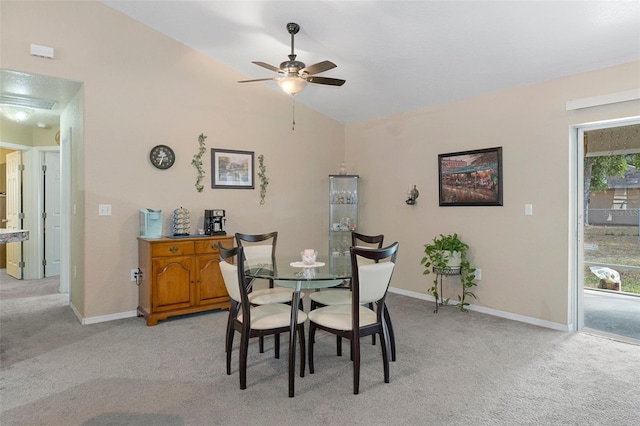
[
  {"x": 336, "y": 296},
  {"x": 362, "y": 240},
  {"x": 370, "y": 277},
  {"x": 257, "y": 248},
  {"x": 339, "y": 297},
  {"x": 249, "y": 320}
]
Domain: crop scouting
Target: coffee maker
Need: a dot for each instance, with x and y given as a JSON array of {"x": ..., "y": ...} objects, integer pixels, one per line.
[
  {"x": 213, "y": 222},
  {"x": 150, "y": 223}
]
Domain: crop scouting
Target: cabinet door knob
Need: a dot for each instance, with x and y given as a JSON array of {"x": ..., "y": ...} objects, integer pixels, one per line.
[{"x": 173, "y": 249}]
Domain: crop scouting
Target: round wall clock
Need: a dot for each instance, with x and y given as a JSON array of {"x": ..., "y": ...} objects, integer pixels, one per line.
[{"x": 162, "y": 157}]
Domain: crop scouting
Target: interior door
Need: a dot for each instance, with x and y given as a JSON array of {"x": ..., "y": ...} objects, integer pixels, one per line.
[
  {"x": 52, "y": 215},
  {"x": 14, "y": 212}
]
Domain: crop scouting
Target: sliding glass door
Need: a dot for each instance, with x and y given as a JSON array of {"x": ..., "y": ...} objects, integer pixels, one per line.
[{"x": 609, "y": 297}]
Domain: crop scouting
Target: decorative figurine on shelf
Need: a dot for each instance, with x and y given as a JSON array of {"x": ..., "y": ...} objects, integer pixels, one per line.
[
  {"x": 413, "y": 195},
  {"x": 343, "y": 168},
  {"x": 181, "y": 222}
]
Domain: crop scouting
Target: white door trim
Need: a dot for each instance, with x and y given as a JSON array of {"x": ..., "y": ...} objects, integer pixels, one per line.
[{"x": 576, "y": 221}]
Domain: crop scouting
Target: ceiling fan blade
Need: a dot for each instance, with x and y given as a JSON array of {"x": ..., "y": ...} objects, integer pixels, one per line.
[
  {"x": 326, "y": 80},
  {"x": 318, "y": 68},
  {"x": 267, "y": 66},
  {"x": 257, "y": 79}
]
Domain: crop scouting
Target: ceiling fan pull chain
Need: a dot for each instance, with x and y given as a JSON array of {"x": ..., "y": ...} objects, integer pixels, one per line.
[{"x": 293, "y": 109}]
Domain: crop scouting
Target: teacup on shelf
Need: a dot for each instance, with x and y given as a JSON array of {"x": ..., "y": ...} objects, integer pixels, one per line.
[{"x": 309, "y": 256}]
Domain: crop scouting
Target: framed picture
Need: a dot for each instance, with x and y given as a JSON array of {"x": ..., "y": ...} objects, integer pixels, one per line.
[
  {"x": 232, "y": 169},
  {"x": 471, "y": 178}
]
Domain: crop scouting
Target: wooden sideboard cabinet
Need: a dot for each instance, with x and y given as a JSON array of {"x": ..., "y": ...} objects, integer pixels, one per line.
[{"x": 180, "y": 276}]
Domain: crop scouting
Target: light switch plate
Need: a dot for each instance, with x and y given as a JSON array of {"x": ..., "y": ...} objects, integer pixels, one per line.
[{"x": 528, "y": 209}]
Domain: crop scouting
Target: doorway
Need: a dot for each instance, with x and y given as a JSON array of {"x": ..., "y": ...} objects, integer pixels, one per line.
[
  {"x": 608, "y": 278},
  {"x": 55, "y": 103},
  {"x": 32, "y": 194}
]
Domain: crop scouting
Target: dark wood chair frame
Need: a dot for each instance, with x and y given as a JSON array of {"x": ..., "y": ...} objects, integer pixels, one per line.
[
  {"x": 258, "y": 238},
  {"x": 376, "y": 240},
  {"x": 244, "y": 327},
  {"x": 357, "y": 332}
]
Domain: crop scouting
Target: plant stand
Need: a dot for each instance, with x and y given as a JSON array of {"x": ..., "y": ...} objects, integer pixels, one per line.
[{"x": 442, "y": 272}]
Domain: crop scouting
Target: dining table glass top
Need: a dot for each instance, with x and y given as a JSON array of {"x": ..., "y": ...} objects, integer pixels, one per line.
[{"x": 288, "y": 271}]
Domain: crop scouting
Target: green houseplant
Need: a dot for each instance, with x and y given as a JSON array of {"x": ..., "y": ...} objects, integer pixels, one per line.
[{"x": 447, "y": 255}]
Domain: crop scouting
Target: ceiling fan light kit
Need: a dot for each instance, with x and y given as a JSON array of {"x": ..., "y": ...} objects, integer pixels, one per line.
[
  {"x": 294, "y": 75},
  {"x": 292, "y": 85}
]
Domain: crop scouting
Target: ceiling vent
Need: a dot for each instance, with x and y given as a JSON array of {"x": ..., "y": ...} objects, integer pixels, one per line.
[{"x": 24, "y": 101}]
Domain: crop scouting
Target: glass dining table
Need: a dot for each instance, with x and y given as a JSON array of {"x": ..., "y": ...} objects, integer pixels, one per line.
[{"x": 290, "y": 272}]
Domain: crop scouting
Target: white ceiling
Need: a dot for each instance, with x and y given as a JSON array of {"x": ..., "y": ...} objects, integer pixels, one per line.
[
  {"x": 395, "y": 55},
  {"x": 398, "y": 56}
]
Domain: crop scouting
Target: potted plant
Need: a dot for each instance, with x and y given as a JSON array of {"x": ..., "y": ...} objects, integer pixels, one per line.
[{"x": 447, "y": 255}]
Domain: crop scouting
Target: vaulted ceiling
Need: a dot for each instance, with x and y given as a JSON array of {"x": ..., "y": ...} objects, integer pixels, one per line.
[
  {"x": 398, "y": 56},
  {"x": 395, "y": 56}
]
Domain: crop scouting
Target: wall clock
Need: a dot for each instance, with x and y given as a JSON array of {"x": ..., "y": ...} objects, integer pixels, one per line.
[{"x": 162, "y": 157}]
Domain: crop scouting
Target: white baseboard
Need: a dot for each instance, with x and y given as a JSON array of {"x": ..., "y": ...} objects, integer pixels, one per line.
[
  {"x": 102, "y": 318},
  {"x": 76, "y": 312},
  {"x": 111, "y": 317},
  {"x": 489, "y": 311},
  {"x": 481, "y": 309}
]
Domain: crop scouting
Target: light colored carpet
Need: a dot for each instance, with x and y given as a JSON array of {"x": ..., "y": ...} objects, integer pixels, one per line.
[{"x": 453, "y": 368}]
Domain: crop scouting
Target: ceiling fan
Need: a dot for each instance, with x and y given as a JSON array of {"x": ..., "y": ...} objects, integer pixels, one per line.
[{"x": 294, "y": 75}]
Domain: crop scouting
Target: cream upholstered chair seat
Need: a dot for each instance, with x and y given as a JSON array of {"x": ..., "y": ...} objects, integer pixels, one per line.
[
  {"x": 339, "y": 316},
  {"x": 273, "y": 315},
  {"x": 331, "y": 297},
  {"x": 272, "y": 295}
]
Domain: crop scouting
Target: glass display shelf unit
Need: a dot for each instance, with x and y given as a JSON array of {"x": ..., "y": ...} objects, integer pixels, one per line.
[{"x": 343, "y": 212}]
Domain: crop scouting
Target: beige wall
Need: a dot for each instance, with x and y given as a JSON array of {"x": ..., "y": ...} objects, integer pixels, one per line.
[
  {"x": 141, "y": 89},
  {"x": 21, "y": 134},
  {"x": 15, "y": 133},
  {"x": 524, "y": 259}
]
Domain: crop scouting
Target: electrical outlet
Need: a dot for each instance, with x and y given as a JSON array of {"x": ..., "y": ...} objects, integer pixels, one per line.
[
  {"x": 104, "y": 209},
  {"x": 478, "y": 274},
  {"x": 134, "y": 274}
]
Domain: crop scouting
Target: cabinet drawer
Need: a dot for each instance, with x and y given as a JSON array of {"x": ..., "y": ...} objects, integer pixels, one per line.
[
  {"x": 172, "y": 249},
  {"x": 209, "y": 246}
]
